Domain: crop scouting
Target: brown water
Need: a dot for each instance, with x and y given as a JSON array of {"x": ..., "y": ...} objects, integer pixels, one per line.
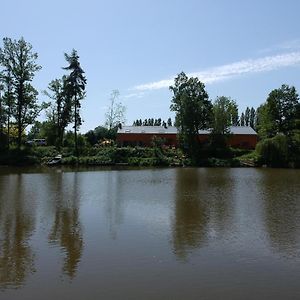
[{"x": 149, "y": 234}]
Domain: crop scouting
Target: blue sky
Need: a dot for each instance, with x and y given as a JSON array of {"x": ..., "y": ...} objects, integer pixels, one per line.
[{"x": 241, "y": 49}]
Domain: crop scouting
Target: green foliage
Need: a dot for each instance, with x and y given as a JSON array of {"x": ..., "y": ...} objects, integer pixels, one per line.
[
  {"x": 44, "y": 130},
  {"x": 18, "y": 157},
  {"x": 19, "y": 67},
  {"x": 193, "y": 111},
  {"x": 279, "y": 113},
  {"x": 274, "y": 151},
  {"x": 225, "y": 114},
  {"x": 60, "y": 112},
  {"x": 75, "y": 90},
  {"x": 242, "y": 120}
]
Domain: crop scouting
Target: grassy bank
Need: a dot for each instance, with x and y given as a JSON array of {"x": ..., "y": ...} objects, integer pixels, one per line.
[{"x": 110, "y": 156}]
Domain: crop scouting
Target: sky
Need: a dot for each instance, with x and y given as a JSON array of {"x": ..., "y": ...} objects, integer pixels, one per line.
[{"x": 239, "y": 49}]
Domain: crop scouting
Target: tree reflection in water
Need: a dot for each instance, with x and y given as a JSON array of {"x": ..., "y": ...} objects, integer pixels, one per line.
[
  {"x": 66, "y": 230},
  {"x": 16, "y": 226},
  {"x": 281, "y": 196},
  {"x": 203, "y": 208},
  {"x": 191, "y": 216}
]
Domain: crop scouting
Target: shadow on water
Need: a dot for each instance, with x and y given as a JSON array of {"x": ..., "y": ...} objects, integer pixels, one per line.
[
  {"x": 281, "y": 199},
  {"x": 16, "y": 227},
  {"x": 203, "y": 208},
  {"x": 66, "y": 229}
]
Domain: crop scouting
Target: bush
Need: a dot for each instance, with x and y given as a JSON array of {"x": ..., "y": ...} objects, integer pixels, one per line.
[{"x": 274, "y": 151}]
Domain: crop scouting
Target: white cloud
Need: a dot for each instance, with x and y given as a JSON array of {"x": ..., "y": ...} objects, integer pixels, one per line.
[
  {"x": 220, "y": 73},
  {"x": 291, "y": 45},
  {"x": 134, "y": 95}
]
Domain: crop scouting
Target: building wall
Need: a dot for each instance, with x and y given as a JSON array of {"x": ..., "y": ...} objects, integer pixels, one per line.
[
  {"x": 144, "y": 139},
  {"x": 243, "y": 141}
]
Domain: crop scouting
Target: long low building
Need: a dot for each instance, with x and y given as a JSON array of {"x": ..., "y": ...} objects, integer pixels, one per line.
[{"x": 241, "y": 136}]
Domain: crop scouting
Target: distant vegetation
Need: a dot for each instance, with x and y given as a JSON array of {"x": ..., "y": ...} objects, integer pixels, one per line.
[{"x": 277, "y": 121}]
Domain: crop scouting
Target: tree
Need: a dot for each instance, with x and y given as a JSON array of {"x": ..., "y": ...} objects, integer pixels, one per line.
[
  {"x": 279, "y": 113},
  {"x": 169, "y": 122},
  {"x": 116, "y": 111},
  {"x": 225, "y": 114},
  {"x": 8, "y": 101},
  {"x": 2, "y": 118},
  {"x": 283, "y": 105},
  {"x": 60, "y": 113},
  {"x": 193, "y": 110},
  {"x": 242, "y": 121},
  {"x": 252, "y": 117},
  {"x": 18, "y": 60},
  {"x": 247, "y": 116},
  {"x": 45, "y": 129},
  {"x": 75, "y": 90}
]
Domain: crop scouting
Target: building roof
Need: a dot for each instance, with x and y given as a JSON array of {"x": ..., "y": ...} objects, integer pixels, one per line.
[{"x": 173, "y": 130}]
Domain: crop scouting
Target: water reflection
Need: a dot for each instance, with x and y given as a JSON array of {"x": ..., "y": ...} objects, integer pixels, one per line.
[
  {"x": 281, "y": 196},
  {"x": 203, "y": 208},
  {"x": 66, "y": 230},
  {"x": 114, "y": 202},
  {"x": 16, "y": 226}
]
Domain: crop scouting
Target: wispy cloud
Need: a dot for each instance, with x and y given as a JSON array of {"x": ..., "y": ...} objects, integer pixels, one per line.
[
  {"x": 291, "y": 45},
  {"x": 134, "y": 95},
  {"x": 216, "y": 74}
]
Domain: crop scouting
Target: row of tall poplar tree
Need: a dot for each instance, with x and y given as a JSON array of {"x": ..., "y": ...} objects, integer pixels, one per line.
[{"x": 19, "y": 106}]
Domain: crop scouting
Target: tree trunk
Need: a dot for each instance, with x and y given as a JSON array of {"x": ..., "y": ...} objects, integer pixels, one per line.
[
  {"x": 75, "y": 130},
  {"x": 8, "y": 129},
  {"x": 1, "y": 124}
]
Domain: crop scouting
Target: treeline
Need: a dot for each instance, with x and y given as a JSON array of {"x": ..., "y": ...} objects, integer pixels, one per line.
[
  {"x": 19, "y": 106},
  {"x": 277, "y": 122},
  {"x": 247, "y": 118},
  {"x": 153, "y": 122}
]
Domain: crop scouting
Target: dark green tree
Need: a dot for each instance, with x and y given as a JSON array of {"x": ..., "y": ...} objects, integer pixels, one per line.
[
  {"x": 75, "y": 90},
  {"x": 225, "y": 114},
  {"x": 242, "y": 120},
  {"x": 193, "y": 111},
  {"x": 279, "y": 114},
  {"x": 169, "y": 122},
  {"x": 3, "y": 117},
  {"x": 8, "y": 101},
  {"x": 252, "y": 117},
  {"x": 247, "y": 116},
  {"x": 60, "y": 112},
  {"x": 43, "y": 130},
  {"x": 283, "y": 105},
  {"x": 18, "y": 60}
]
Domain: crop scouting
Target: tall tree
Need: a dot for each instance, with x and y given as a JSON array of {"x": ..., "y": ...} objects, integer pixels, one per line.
[
  {"x": 252, "y": 117},
  {"x": 75, "y": 90},
  {"x": 169, "y": 122},
  {"x": 116, "y": 111},
  {"x": 8, "y": 100},
  {"x": 242, "y": 120},
  {"x": 60, "y": 113},
  {"x": 282, "y": 105},
  {"x": 225, "y": 114},
  {"x": 2, "y": 118},
  {"x": 279, "y": 113},
  {"x": 247, "y": 116},
  {"x": 193, "y": 110},
  {"x": 18, "y": 60}
]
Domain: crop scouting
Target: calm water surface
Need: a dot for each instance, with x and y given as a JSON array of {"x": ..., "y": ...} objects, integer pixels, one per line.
[{"x": 149, "y": 234}]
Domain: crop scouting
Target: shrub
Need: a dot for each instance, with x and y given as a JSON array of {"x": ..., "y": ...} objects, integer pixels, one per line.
[{"x": 274, "y": 151}]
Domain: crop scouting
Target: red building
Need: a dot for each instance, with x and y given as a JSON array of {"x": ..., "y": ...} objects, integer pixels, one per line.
[{"x": 240, "y": 137}]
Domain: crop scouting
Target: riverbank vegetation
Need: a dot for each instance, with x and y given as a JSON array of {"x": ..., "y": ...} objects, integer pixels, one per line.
[{"x": 277, "y": 121}]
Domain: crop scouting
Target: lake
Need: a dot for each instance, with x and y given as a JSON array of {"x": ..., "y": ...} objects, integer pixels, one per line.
[{"x": 174, "y": 233}]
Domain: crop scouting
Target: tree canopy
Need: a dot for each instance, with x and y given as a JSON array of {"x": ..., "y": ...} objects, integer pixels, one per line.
[{"x": 193, "y": 110}]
